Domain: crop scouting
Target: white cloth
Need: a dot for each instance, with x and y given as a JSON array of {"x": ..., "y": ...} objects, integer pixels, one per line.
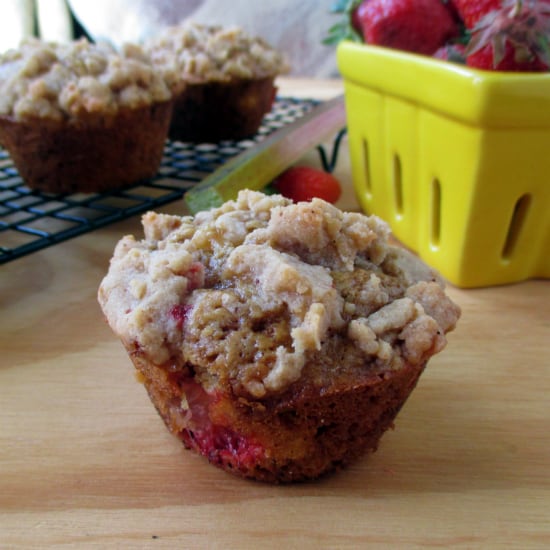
[
  {"x": 18, "y": 16},
  {"x": 294, "y": 27}
]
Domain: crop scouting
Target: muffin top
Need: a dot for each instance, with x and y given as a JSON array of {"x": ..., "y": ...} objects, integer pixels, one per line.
[
  {"x": 261, "y": 293},
  {"x": 196, "y": 53},
  {"x": 70, "y": 80}
]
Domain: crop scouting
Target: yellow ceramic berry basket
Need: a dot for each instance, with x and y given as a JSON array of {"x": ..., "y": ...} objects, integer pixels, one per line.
[{"x": 456, "y": 160}]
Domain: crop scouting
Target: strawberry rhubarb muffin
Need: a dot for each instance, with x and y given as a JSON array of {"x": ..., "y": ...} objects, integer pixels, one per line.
[
  {"x": 80, "y": 116},
  {"x": 223, "y": 80},
  {"x": 277, "y": 339}
]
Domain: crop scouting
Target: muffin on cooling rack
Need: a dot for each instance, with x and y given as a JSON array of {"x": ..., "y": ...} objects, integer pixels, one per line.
[
  {"x": 80, "y": 116},
  {"x": 228, "y": 80},
  {"x": 277, "y": 339}
]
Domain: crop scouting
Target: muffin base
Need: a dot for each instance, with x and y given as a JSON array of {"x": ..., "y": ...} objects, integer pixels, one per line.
[
  {"x": 217, "y": 111},
  {"x": 300, "y": 435},
  {"x": 93, "y": 154}
]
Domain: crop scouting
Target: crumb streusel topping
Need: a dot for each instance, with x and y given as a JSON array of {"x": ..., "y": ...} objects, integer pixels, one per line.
[
  {"x": 64, "y": 81},
  {"x": 252, "y": 292},
  {"x": 198, "y": 53}
]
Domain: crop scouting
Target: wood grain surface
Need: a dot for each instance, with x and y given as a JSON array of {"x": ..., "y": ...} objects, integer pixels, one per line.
[{"x": 86, "y": 462}]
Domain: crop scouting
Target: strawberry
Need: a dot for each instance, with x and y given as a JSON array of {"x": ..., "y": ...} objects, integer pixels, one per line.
[
  {"x": 220, "y": 444},
  {"x": 451, "y": 52},
  {"x": 471, "y": 11},
  {"x": 485, "y": 59},
  {"x": 514, "y": 37},
  {"x": 419, "y": 26},
  {"x": 303, "y": 183},
  {"x": 504, "y": 35},
  {"x": 180, "y": 313}
]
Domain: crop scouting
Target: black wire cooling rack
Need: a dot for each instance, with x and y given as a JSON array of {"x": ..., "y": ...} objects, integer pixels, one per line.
[{"x": 30, "y": 220}]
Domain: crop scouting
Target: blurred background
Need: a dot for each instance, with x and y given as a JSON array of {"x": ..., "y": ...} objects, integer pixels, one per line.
[{"x": 294, "y": 27}]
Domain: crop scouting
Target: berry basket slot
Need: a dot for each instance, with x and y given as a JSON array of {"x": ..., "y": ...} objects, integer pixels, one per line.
[{"x": 456, "y": 160}]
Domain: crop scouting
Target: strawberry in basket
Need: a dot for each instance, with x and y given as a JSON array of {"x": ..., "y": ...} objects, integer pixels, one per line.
[
  {"x": 419, "y": 26},
  {"x": 503, "y": 35},
  {"x": 513, "y": 37}
]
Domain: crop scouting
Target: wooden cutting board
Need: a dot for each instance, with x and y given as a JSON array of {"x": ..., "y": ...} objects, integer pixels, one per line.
[{"x": 86, "y": 462}]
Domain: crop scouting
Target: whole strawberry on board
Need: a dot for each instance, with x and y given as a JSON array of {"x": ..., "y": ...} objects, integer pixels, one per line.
[
  {"x": 418, "y": 26},
  {"x": 304, "y": 183}
]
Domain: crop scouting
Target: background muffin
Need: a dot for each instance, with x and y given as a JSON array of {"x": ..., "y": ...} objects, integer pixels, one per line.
[
  {"x": 80, "y": 116},
  {"x": 278, "y": 340},
  {"x": 227, "y": 78}
]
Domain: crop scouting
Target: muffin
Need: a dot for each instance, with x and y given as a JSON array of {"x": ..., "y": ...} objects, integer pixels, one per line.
[
  {"x": 227, "y": 76},
  {"x": 277, "y": 339},
  {"x": 82, "y": 117}
]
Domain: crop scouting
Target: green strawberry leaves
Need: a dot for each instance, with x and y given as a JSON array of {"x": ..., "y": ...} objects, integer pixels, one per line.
[{"x": 343, "y": 29}]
